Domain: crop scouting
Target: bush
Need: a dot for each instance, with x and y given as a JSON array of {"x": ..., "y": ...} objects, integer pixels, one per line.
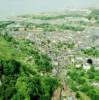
[
  {"x": 10, "y": 67},
  {"x": 77, "y": 95},
  {"x": 43, "y": 61},
  {"x": 91, "y": 75},
  {"x": 8, "y": 93}
]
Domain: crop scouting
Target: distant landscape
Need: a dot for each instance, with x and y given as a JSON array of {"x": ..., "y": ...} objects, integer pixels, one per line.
[{"x": 50, "y": 56}]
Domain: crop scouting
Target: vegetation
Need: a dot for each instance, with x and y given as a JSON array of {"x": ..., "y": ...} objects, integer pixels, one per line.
[
  {"x": 91, "y": 52},
  {"x": 49, "y": 17},
  {"x": 79, "y": 80},
  {"x": 66, "y": 45},
  {"x": 94, "y": 14},
  {"x": 3, "y": 24},
  {"x": 20, "y": 80},
  {"x": 27, "y": 73},
  {"x": 49, "y": 27}
]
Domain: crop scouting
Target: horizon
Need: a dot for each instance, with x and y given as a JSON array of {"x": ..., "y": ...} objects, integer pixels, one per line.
[{"x": 15, "y": 7}]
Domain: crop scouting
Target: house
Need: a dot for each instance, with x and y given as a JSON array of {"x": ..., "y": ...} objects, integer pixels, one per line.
[
  {"x": 86, "y": 66},
  {"x": 70, "y": 98},
  {"x": 16, "y": 27}
]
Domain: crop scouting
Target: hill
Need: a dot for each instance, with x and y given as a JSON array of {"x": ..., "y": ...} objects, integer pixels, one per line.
[{"x": 50, "y": 56}]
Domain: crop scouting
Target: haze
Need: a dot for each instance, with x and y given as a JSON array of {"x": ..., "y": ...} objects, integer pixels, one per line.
[{"x": 19, "y": 7}]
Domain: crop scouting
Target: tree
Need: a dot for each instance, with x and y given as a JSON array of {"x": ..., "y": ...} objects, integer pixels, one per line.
[
  {"x": 11, "y": 67},
  {"x": 77, "y": 95}
]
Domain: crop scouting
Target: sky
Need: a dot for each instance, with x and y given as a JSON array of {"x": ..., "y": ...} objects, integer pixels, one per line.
[{"x": 17, "y": 7}]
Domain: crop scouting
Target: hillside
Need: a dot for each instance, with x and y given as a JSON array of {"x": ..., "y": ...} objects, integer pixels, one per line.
[{"x": 50, "y": 56}]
